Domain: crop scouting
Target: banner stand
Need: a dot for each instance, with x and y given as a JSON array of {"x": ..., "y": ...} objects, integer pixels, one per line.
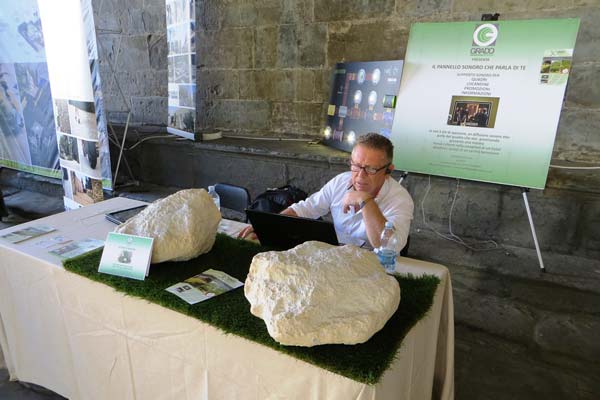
[
  {"x": 530, "y": 218},
  {"x": 121, "y": 147},
  {"x": 535, "y": 240}
]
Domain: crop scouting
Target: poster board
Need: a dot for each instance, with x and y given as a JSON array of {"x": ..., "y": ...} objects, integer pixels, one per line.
[
  {"x": 363, "y": 98},
  {"x": 181, "y": 36},
  {"x": 27, "y": 134},
  {"x": 482, "y": 100}
]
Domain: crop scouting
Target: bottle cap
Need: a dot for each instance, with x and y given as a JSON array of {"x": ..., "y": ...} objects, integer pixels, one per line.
[
  {"x": 388, "y": 224},
  {"x": 211, "y": 188}
]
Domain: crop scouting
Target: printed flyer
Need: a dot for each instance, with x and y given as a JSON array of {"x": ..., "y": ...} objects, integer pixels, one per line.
[{"x": 481, "y": 100}]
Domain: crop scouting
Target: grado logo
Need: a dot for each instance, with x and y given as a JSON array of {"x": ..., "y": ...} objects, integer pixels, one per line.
[
  {"x": 484, "y": 38},
  {"x": 485, "y": 35}
]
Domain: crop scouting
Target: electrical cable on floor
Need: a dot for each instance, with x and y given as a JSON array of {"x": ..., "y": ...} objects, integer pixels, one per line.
[
  {"x": 564, "y": 167},
  {"x": 267, "y": 138},
  {"x": 148, "y": 138},
  {"x": 451, "y": 236}
]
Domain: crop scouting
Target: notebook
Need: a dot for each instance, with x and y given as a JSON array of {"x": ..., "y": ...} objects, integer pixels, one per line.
[{"x": 284, "y": 231}]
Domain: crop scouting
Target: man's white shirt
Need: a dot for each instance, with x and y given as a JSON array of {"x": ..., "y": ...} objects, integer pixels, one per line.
[{"x": 393, "y": 200}]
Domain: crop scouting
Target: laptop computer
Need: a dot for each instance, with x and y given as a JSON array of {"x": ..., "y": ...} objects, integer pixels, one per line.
[
  {"x": 284, "y": 231},
  {"x": 119, "y": 217}
]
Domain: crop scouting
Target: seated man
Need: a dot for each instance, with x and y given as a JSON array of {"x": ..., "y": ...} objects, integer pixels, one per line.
[{"x": 362, "y": 200}]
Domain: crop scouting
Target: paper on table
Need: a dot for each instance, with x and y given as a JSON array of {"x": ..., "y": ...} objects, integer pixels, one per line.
[
  {"x": 77, "y": 248},
  {"x": 203, "y": 286},
  {"x": 27, "y": 233}
]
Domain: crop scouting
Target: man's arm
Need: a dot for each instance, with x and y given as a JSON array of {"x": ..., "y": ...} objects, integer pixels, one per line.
[
  {"x": 372, "y": 216},
  {"x": 289, "y": 211}
]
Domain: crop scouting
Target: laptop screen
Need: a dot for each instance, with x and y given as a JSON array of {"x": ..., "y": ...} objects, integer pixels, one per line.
[{"x": 284, "y": 231}]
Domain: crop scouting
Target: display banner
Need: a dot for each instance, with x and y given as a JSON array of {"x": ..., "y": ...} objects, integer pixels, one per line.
[
  {"x": 27, "y": 132},
  {"x": 181, "y": 28},
  {"x": 81, "y": 127},
  {"x": 482, "y": 100},
  {"x": 363, "y": 98}
]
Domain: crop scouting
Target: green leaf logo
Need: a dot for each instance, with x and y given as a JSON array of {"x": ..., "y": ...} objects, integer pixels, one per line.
[{"x": 485, "y": 35}]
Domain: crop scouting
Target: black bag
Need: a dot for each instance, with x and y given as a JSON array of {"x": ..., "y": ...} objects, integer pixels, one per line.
[{"x": 277, "y": 200}]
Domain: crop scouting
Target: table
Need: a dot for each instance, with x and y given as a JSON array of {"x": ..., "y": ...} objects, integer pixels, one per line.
[{"x": 84, "y": 340}]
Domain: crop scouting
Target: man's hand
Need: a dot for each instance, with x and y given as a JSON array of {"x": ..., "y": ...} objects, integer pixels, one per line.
[
  {"x": 247, "y": 233},
  {"x": 353, "y": 199}
]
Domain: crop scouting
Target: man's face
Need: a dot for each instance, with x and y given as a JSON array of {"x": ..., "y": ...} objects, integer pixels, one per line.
[{"x": 367, "y": 157}]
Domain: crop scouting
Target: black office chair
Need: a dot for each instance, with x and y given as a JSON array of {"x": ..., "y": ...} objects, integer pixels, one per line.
[
  {"x": 233, "y": 197},
  {"x": 404, "y": 251}
]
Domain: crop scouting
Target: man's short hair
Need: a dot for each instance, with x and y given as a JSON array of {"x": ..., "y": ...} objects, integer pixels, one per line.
[{"x": 377, "y": 142}]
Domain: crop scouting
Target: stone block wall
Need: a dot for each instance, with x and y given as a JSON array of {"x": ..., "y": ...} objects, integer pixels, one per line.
[{"x": 264, "y": 66}]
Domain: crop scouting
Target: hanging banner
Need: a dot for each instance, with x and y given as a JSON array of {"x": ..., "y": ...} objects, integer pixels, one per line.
[
  {"x": 481, "y": 100},
  {"x": 81, "y": 127},
  {"x": 27, "y": 133},
  {"x": 181, "y": 28}
]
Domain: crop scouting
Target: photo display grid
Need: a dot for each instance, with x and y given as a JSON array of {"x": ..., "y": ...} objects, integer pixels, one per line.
[
  {"x": 79, "y": 119},
  {"x": 181, "y": 28},
  {"x": 363, "y": 99}
]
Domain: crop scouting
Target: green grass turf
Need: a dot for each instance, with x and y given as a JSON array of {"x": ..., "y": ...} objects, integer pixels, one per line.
[{"x": 230, "y": 312}]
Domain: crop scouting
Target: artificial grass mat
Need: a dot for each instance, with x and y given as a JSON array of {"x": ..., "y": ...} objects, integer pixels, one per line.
[{"x": 230, "y": 311}]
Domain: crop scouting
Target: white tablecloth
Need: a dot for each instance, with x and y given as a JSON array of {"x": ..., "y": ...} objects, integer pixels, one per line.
[{"x": 84, "y": 340}]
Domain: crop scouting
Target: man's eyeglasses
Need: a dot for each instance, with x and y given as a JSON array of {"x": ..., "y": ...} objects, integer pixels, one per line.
[{"x": 367, "y": 169}]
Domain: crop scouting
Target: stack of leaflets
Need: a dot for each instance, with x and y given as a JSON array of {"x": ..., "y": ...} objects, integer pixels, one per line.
[
  {"x": 77, "y": 248},
  {"x": 27, "y": 233},
  {"x": 203, "y": 286}
]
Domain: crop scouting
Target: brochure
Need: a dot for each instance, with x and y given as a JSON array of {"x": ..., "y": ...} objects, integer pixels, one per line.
[
  {"x": 77, "y": 248},
  {"x": 203, "y": 286},
  {"x": 27, "y": 233},
  {"x": 128, "y": 256},
  {"x": 53, "y": 241}
]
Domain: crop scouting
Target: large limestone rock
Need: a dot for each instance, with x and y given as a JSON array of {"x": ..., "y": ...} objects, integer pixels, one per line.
[
  {"x": 316, "y": 294},
  {"x": 183, "y": 225}
]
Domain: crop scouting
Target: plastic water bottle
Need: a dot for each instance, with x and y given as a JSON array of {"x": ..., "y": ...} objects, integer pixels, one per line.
[
  {"x": 388, "y": 250},
  {"x": 215, "y": 196}
]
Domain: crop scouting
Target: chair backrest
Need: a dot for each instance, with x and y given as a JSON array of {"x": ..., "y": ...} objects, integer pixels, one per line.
[
  {"x": 404, "y": 251},
  {"x": 233, "y": 197}
]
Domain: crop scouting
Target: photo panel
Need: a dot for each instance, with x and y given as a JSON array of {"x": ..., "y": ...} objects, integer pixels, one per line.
[
  {"x": 173, "y": 95},
  {"x": 68, "y": 151},
  {"x": 86, "y": 190},
  {"x": 181, "y": 119},
  {"x": 89, "y": 158},
  {"x": 82, "y": 118},
  {"x": 67, "y": 184},
  {"x": 192, "y": 8},
  {"x": 473, "y": 111},
  {"x": 178, "y": 11},
  {"x": 186, "y": 95},
  {"x": 61, "y": 114},
  {"x": 178, "y": 39},
  {"x": 38, "y": 113},
  {"x": 182, "y": 69},
  {"x": 13, "y": 141},
  {"x": 31, "y": 31}
]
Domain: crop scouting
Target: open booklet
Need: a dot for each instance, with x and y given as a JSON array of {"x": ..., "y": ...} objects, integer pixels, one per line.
[{"x": 203, "y": 286}]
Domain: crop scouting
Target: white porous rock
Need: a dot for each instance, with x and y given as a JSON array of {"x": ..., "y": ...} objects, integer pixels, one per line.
[
  {"x": 183, "y": 225},
  {"x": 317, "y": 294}
]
